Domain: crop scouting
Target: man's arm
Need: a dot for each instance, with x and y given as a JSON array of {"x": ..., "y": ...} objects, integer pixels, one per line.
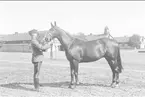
[
  {"x": 36, "y": 44},
  {"x": 46, "y": 46},
  {"x": 40, "y": 46}
]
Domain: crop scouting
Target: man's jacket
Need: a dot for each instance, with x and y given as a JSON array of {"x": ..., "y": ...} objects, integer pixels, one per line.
[{"x": 37, "y": 50}]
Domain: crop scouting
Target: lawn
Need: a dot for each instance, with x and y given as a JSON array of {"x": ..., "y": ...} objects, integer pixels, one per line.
[{"x": 16, "y": 77}]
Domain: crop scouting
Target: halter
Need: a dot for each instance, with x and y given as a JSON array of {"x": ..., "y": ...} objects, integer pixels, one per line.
[{"x": 49, "y": 35}]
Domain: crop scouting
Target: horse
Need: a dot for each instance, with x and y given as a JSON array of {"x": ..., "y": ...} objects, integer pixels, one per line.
[{"x": 80, "y": 51}]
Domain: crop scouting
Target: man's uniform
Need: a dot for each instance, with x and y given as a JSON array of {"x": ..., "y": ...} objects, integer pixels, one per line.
[
  {"x": 105, "y": 35},
  {"x": 37, "y": 55},
  {"x": 37, "y": 50},
  {"x": 106, "y": 32}
]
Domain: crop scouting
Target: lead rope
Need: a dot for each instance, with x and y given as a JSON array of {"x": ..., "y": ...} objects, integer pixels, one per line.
[
  {"x": 112, "y": 37},
  {"x": 71, "y": 44}
]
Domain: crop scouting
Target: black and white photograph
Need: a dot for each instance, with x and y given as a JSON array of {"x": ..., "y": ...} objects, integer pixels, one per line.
[{"x": 72, "y": 48}]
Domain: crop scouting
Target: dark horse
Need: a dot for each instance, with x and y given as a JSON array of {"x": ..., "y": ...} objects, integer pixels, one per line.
[{"x": 79, "y": 51}]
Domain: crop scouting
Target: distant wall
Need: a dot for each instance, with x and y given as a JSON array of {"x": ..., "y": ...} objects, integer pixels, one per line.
[
  {"x": 15, "y": 48},
  {"x": 25, "y": 47},
  {"x": 22, "y": 48}
]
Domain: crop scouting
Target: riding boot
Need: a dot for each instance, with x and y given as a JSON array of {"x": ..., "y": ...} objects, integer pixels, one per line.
[{"x": 36, "y": 83}]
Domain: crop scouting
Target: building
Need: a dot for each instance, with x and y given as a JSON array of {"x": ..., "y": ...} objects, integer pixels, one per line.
[
  {"x": 20, "y": 42},
  {"x": 123, "y": 41},
  {"x": 142, "y": 42}
]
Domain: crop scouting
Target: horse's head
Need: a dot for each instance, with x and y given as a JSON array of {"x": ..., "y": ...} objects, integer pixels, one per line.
[{"x": 52, "y": 33}]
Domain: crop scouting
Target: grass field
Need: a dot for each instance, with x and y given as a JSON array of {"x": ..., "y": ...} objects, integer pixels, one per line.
[{"x": 16, "y": 77}]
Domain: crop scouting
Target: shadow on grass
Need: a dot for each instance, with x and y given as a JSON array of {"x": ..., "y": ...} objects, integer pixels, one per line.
[
  {"x": 18, "y": 86},
  {"x": 22, "y": 86}
]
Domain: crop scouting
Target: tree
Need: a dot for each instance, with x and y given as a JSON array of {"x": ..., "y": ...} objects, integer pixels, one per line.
[{"x": 134, "y": 40}]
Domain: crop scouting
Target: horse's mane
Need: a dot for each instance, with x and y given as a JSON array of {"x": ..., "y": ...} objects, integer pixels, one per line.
[{"x": 66, "y": 32}]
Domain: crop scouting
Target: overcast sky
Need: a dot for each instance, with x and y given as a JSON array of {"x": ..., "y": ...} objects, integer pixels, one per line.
[{"x": 122, "y": 17}]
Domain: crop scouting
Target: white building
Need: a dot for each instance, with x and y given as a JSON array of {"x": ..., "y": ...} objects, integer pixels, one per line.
[
  {"x": 54, "y": 49},
  {"x": 142, "y": 44}
]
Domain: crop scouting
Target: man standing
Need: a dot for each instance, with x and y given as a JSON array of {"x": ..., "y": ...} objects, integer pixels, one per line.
[
  {"x": 37, "y": 55},
  {"x": 107, "y": 33}
]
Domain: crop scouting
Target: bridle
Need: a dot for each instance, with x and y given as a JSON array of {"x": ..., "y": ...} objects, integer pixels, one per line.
[
  {"x": 50, "y": 35},
  {"x": 69, "y": 46}
]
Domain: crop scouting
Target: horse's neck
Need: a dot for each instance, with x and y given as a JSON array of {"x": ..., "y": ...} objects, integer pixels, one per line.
[{"x": 65, "y": 40}]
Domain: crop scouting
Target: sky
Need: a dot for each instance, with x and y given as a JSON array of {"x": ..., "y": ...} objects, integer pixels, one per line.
[{"x": 123, "y": 18}]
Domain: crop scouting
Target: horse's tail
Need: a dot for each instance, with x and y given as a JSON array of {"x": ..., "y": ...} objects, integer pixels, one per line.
[{"x": 119, "y": 61}]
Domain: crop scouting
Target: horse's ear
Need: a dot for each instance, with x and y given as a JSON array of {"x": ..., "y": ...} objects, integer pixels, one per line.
[{"x": 54, "y": 23}]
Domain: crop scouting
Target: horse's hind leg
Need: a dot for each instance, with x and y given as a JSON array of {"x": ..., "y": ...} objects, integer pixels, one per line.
[
  {"x": 115, "y": 80},
  {"x": 114, "y": 68},
  {"x": 116, "y": 72}
]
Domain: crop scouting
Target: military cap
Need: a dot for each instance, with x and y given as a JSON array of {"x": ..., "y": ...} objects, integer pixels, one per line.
[{"x": 33, "y": 32}]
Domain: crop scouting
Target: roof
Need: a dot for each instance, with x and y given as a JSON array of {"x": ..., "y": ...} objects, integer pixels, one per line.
[
  {"x": 123, "y": 39},
  {"x": 16, "y": 37},
  {"x": 19, "y": 36},
  {"x": 79, "y": 37},
  {"x": 91, "y": 37},
  {"x": 94, "y": 37}
]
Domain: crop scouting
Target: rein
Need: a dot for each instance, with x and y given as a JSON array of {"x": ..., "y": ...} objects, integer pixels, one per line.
[
  {"x": 113, "y": 38},
  {"x": 69, "y": 46}
]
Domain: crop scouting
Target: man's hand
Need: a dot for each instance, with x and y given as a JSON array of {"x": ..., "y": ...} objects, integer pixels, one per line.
[
  {"x": 46, "y": 46},
  {"x": 51, "y": 42},
  {"x": 44, "y": 50}
]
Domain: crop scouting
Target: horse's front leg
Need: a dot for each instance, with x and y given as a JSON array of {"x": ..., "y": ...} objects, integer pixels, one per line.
[
  {"x": 72, "y": 75},
  {"x": 37, "y": 66},
  {"x": 76, "y": 67}
]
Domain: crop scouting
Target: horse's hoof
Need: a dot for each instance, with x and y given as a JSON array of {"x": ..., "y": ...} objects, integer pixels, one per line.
[
  {"x": 71, "y": 86},
  {"x": 117, "y": 85},
  {"x": 40, "y": 85},
  {"x": 113, "y": 85},
  {"x": 78, "y": 83},
  {"x": 37, "y": 89}
]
